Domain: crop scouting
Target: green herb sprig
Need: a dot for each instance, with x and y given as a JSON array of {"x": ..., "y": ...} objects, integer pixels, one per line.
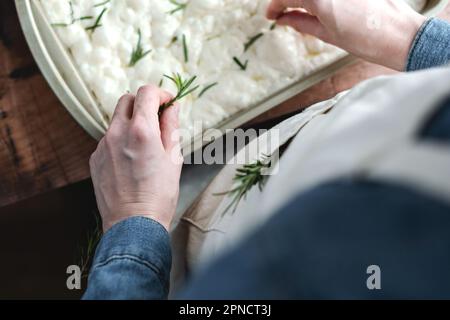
[
  {"x": 138, "y": 52},
  {"x": 184, "y": 88},
  {"x": 252, "y": 41},
  {"x": 207, "y": 88},
  {"x": 185, "y": 49},
  {"x": 241, "y": 64},
  {"x": 72, "y": 18},
  {"x": 178, "y": 6},
  {"x": 101, "y": 4},
  {"x": 246, "y": 178},
  {"x": 97, "y": 23},
  {"x": 86, "y": 254},
  {"x": 249, "y": 44}
]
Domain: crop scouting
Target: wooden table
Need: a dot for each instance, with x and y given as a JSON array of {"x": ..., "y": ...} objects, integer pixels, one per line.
[{"x": 42, "y": 148}]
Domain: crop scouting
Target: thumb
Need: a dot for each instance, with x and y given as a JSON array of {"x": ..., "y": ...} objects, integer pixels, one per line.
[{"x": 304, "y": 23}]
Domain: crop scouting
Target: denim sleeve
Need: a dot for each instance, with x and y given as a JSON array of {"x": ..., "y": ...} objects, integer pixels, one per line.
[
  {"x": 132, "y": 262},
  {"x": 431, "y": 47}
]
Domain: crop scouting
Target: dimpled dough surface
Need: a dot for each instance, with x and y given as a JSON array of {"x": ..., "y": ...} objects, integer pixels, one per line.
[{"x": 215, "y": 32}]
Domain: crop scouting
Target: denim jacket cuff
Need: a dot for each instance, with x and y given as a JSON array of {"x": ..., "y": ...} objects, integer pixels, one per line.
[
  {"x": 138, "y": 238},
  {"x": 431, "y": 47}
]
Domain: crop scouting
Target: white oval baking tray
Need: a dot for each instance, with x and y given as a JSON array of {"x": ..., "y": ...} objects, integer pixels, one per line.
[{"x": 64, "y": 79}]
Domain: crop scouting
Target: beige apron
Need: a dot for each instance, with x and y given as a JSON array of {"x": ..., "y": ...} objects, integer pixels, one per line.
[{"x": 370, "y": 131}]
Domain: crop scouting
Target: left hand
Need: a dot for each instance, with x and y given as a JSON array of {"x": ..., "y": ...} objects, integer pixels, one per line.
[
  {"x": 380, "y": 31},
  {"x": 137, "y": 165}
]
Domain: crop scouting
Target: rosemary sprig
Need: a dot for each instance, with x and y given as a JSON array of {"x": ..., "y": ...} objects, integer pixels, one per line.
[
  {"x": 87, "y": 254},
  {"x": 72, "y": 22},
  {"x": 72, "y": 18},
  {"x": 179, "y": 6},
  {"x": 138, "y": 52},
  {"x": 248, "y": 45},
  {"x": 241, "y": 65},
  {"x": 97, "y": 23},
  {"x": 101, "y": 4},
  {"x": 185, "y": 49},
  {"x": 255, "y": 38},
  {"x": 246, "y": 178},
  {"x": 207, "y": 88},
  {"x": 85, "y": 18},
  {"x": 184, "y": 88},
  {"x": 252, "y": 41}
]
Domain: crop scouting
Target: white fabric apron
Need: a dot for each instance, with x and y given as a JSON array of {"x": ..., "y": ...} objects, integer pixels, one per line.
[{"x": 370, "y": 131}]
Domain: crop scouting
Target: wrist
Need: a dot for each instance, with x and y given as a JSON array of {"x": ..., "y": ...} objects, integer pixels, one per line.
[
  {"x": 111, "y": 221},
  {"x": 399, "y": 39}
]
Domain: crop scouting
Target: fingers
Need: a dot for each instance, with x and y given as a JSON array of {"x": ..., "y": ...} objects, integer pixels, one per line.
[
  {"x": 146, "y": 105},
  {"x": 278, "y": 7},
  {"x": 146, "y": 124},
  {"x": 304, "y": 23},
  {"x": 165, "y": 96},
  {"x": 123, "y": 111},
  {"x": 170, "y": 135},
  {"x": 143, "y": 110}
]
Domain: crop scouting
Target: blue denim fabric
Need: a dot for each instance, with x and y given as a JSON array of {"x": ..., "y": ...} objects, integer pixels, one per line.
[
  {"x": 320, "y": 245},
  {"x": 132, "y": 261},
  {"x": 323, "y": 252},
  {"x": 431, "y": 47}
]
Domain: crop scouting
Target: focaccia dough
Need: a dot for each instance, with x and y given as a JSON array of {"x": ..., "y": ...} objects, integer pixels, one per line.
[{"x": 216, "y": 31}]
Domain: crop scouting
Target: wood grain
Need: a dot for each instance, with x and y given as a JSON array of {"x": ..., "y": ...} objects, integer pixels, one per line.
[{"x": 43, "y": 148}]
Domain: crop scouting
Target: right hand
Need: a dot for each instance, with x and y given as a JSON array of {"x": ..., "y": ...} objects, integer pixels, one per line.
[
  {"x": 137, "y": 165},
  {"x": 380, "y": 31}
]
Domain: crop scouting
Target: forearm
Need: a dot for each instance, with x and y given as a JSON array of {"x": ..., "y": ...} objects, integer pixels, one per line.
[
  {"x": 431, "y": 47},
  {"x": 132, "y": 261}
]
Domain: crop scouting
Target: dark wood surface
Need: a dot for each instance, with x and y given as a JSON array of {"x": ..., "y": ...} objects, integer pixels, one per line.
[{"x": 42, "y": 148}]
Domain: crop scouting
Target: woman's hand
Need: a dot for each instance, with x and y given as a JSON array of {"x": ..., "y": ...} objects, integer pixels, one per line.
[
  {"x": 380, "y": 31},
  {"x": 136, "y": 167}
]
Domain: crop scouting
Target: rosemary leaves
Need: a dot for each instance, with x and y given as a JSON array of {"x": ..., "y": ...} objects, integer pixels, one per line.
[
  {"x": 185, "y": 49},
  {"x": 97, "y": 23},
  {"x": 87, "y": 253},
  {"x": 101, "y": 4},
  {"x": 138, "y": 52},
  {"x": 252, "y": 41},
  {"x": 242, "y": 65},
  {"x": 248, "y": 45},
  {"x": 207, "y": 88},
  {"x": 246, "y": 178},
  {"x": 72, "y": 18},
  {"x": 178, "y": 6},
  {"x": 184, "y": 88}
]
